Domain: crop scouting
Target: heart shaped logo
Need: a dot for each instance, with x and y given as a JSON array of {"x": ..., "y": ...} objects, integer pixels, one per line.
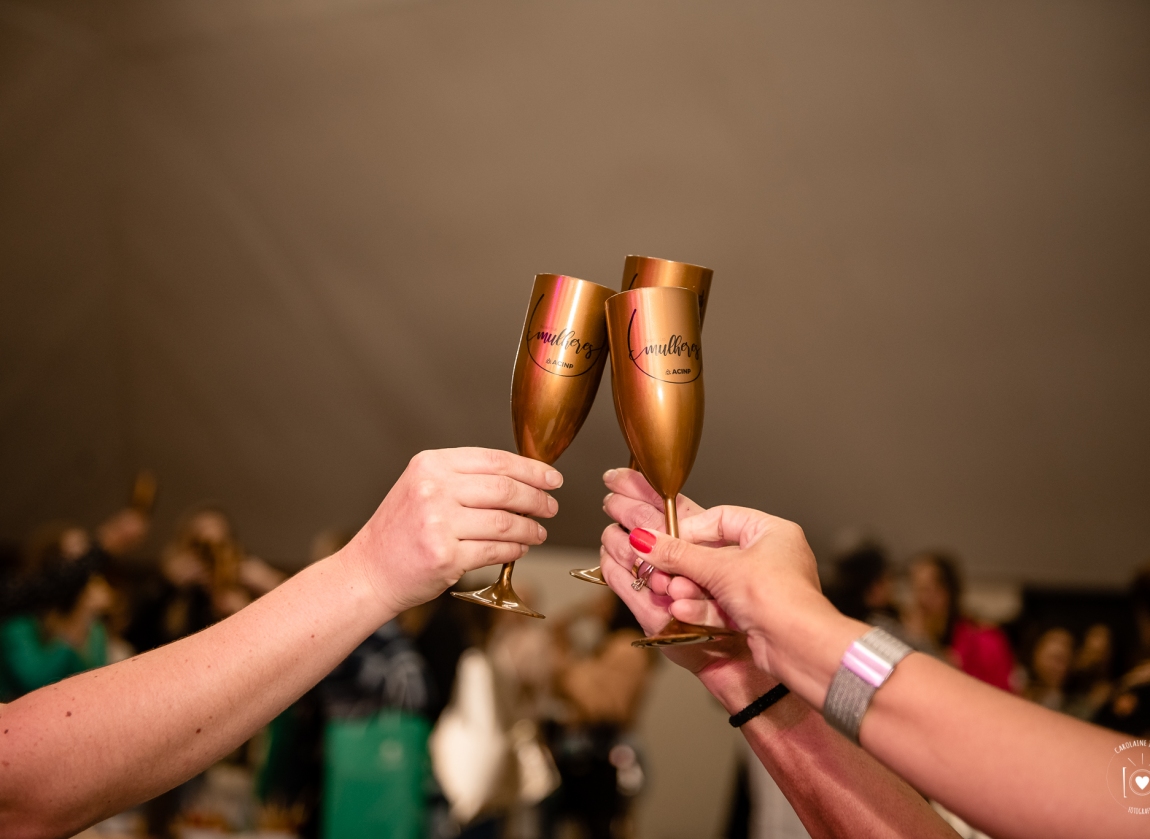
[{"x": 1128, "y": 776}]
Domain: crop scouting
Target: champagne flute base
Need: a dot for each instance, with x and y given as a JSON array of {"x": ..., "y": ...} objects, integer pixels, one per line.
[
  {"x": 590, "y": 575},
  {"x": 677, "y": 633},
  {"x": 498, "y": 595}
]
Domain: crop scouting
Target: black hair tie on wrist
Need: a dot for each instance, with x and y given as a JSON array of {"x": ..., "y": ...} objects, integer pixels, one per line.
[{"x": 759, "y": 705}]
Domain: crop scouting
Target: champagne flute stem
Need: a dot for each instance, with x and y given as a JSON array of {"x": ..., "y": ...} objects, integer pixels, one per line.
[
  {"x": 677, "y": 632},
  {"x": 505, "y": 574},
  {"x": 671, "y": 516}
]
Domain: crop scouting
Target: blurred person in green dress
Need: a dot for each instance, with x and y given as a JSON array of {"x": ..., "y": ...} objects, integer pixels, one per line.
[{"x": 54, "y": 624}]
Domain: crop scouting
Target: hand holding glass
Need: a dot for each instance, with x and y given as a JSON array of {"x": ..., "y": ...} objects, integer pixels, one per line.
[{"x": 558, "y": 367}]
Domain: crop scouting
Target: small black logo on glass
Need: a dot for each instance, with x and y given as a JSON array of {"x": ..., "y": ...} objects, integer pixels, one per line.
[
  {"x": 559, "y": 351},
  {"x": 676, "y": 360}
]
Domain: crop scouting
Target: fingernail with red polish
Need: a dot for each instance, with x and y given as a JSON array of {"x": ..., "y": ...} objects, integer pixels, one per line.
[{"x": 642, "y": 540}]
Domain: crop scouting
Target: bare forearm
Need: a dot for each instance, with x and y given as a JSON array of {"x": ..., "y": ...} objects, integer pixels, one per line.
[
  {"x": 980, "y": 751},
  {"x": 104, "y": 740},
  {"x": 99, "y": 742},
  {"x": 836, "y": 788},
  {"x": 983, "y": 753}
]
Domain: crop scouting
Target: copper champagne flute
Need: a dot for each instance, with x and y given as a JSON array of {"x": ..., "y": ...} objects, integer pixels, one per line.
[
  {"x": 652, "y": 272},
  {"x": 558, "y": 368},
  {"x": 657, "y": 373}
]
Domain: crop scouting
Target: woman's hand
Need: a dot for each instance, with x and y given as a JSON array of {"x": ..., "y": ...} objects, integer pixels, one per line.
[
  {"x": 633, "y": 503},
  {"x": 836, "y": 788},
  {"x": 725, "y": 667},
  {"x": 451, "y": 511},
  {"x": 764, "y": 580}
]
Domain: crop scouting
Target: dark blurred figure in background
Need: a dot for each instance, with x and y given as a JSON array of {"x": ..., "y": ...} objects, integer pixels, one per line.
[
  {"x": 1129, "y": 707},
  {"x": 862, "y": 588},
  {"x": 1092, "y": 674},
  {"x": 205, "y": 576},
  {"x": 603, "y": 680},
  {"x": 938, "y": 626},
  {"x": 1049, "y": 669}
]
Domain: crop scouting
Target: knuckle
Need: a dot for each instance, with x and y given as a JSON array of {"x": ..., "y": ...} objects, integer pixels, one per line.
[
  {"x": 504, "y": 522},
  {"x": 426, "y": 489},
  {"x": 792, "y": 531},
  {"x": 505, "y": 489},
  {"x": 490, "y": 552},
  {"x": 675, "y": 550},
  {"x": 493, "y": 459},
  {"x": 650, "y": 517},
  {"x": 439, "y": 553}
]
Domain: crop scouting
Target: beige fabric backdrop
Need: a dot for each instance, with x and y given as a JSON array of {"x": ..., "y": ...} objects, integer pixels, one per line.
[{"x": 271, "y": 249}]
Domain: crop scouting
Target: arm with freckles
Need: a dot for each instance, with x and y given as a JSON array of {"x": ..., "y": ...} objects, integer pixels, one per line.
[
  {"x": 835, "y": 788},
  {"x": 90, "y": 746}
]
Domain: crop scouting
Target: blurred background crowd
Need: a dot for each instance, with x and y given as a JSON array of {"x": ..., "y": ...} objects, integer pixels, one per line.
[
  {"x": 458, "y": 721},
  {"x": 527, "y": 723}
]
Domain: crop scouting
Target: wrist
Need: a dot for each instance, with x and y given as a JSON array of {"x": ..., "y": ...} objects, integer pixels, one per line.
[
  {"x": 736, "y": 684},
  {"x": 348, "y": 566},
  {"x": 814, "y": 647}
]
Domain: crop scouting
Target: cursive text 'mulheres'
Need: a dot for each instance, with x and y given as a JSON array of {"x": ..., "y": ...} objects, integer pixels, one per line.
[
  {"x": 565, "y": 340},
  {"x": 675, "y": 346}
]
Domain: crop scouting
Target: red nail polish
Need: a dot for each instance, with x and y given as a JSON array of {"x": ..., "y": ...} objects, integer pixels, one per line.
[{"x": 642, "y": 540}]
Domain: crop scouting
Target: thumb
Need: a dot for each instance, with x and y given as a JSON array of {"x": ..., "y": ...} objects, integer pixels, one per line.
[{"x": 676, "y": 556}]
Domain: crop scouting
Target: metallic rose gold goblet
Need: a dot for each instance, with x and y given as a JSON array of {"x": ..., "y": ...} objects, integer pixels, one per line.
[
  {"x": 560, "y": 362},
  {"x": 652, "y": 272},
  {"x": 657, "y": 373}
]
